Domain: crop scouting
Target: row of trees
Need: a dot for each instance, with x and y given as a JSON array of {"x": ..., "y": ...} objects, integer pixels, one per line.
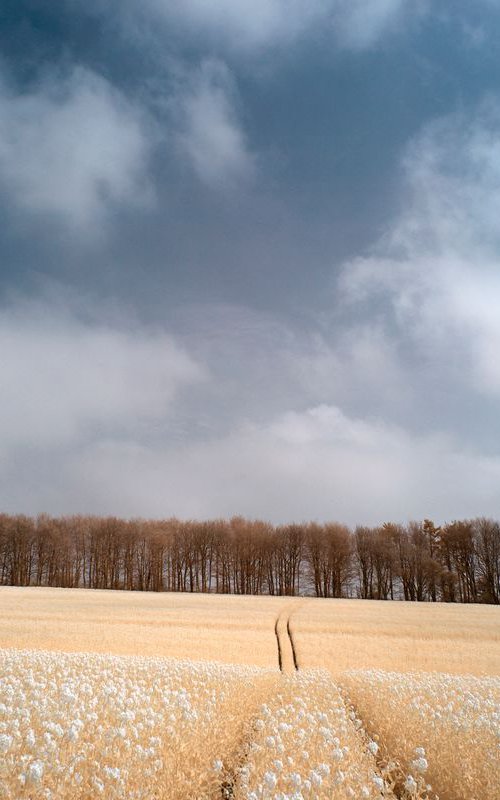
[{"x": 458, "y": 562}]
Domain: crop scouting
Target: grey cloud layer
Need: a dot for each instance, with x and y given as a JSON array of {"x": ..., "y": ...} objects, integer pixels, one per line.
[
  {"x": 313, "y": 465},
  {"x": 378, "y": 403},
  {"x": 64, "y": 381}
]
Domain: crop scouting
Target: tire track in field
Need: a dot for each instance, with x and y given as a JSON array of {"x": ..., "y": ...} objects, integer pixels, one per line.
[
  {"x": 278, "y": 642},
  {"x": 287, "y": 652},
  {"x": 292, "y": 644}
]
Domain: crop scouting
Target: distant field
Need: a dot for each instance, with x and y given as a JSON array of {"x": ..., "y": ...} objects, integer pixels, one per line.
[
  {"x": 245, "y": 698},
  {"x": 334, "y": 634}
]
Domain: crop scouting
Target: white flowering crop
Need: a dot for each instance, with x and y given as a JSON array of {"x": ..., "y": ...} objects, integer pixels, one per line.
[
  {"x": 439, "y": 733},
  {"x": 324, "y": 758},
  {"x": 86, "y": 725}
]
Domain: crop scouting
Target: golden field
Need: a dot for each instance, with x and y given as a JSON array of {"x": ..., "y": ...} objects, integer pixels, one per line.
[
  {"x": 162, "y": 696},
  {"x": 236, "y": 629}
]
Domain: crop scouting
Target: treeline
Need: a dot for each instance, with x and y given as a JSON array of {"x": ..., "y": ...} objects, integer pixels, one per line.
[{"x": 458, "y": 562}]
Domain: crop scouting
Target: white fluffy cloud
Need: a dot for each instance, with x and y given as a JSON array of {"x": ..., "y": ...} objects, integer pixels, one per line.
[
  {"x": 241, "y": 23},
  {"x": 254, "y": 24},
  {"x": 358, "y": 24},
  {"x": 72, "y": 148},
  {"x": 438, "y": 266},
  {"x": 209, "y": 133},
  {"x": 64, "y": 381}
]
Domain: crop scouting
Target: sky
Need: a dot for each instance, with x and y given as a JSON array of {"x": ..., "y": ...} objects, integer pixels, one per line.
[{"x": 250, "y": 259}]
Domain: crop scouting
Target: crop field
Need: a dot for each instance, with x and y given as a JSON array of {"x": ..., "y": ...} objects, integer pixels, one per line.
[{"x": 173, "y": 696}]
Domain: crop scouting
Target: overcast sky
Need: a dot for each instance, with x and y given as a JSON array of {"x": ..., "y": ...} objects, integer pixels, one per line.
[{"x": 250, "y": 258}]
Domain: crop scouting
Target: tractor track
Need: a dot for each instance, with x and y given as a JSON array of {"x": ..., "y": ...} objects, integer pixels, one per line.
[
  {"x": 287, "y": 662},
  {"x": 287, "y": 652},
  {"x": 278, "y": 642},
  {"x": 292, "y": 645}
]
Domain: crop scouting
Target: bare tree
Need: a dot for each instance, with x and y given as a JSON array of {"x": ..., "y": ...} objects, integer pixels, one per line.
[{"x": 457, "y": 562}]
